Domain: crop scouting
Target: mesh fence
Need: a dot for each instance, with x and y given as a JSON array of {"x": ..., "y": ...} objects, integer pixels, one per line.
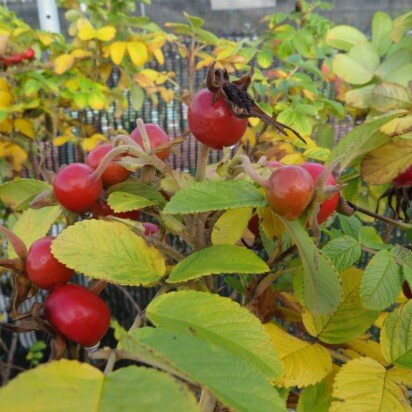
[{"x": 172, "y": 118}]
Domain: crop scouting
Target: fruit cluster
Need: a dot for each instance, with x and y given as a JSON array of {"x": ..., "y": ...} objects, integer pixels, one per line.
[
  {"x": 72, "y": 310},
  {"x": 17, "y": 58}
]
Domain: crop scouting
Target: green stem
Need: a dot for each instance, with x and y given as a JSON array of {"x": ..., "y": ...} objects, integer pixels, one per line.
[
  {"x": 145, "y": 137},
  {"x": 248, "y": 167},
  {"x": 207, "y": 402}
]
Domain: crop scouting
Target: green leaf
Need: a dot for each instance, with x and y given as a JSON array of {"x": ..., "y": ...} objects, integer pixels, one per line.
[
  {"x": 109, "y": 251},
  {"x": 34, "y": 224},
  {"x": 343, "y": 252},
  {"x": 137, "y": 96},
  {"x": 344, "y": 37},
  {"x": 230, "y": 227},
  {"x": 381, "y": 281},
  {"x": 393, "y": 62},
  {"x": 396, "y": 336},
  {"x": 361, "y": 140},
  {"x": 350, "y": 319},
  {"x": 350, "y": 225},
  {"x": 220, "y": 321},
  {"x": 389, "y": 96},
  {"x": 138, "y": 189},
  {"x": 369, "y": 237},
  {"x": 18, "y": 194},
  {"x": 321, "y": 284},
  {"x": 265, "y": 57},
  {"x": 402, "y": 75},
  {"x": 215, "y": 195},
  {"x": 133, "y": 388},
  {"x": 381, "y": 32},
  {"x": 216, "y": 260},
  {"x": 365, "y": 55},
  {"x": 124, "y": 202},
  {"x": 228, "y": 377}
]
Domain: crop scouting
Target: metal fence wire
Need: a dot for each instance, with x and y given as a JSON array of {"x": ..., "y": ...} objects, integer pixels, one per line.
[{"x": 172, "y": 118}]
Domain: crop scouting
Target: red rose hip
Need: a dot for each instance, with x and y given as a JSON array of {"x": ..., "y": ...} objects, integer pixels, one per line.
[
  {"x": 76, "y": 188},
  {"x": 43, "y": 269},
  {"x": 78, "y": 314},
  {"x": 114, "y": 173},
  {"x": 328, "y": 206},
  {"x": 289, "y": 191},
  {"x": 404, "y": 179},
  {"x": 157, "y": 137},
  {"x": 213, "y": 123}
]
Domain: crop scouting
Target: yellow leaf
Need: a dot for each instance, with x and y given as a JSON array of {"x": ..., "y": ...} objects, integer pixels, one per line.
[
  {"x": 25, "y": 127},
  {"x": 305, "y": 363},
  {"x": 151, "y": 74},
  {"x": 137, "y": 52},
  {"x": 381, "y": 319},
  {"x": 16, "y": 154},
  {"x": 167, "y": 94},
  {"x": 63, "y": 63},
  {"x": 365, "y": 347},
  {"x": 86, "y": 32},
  {"x": 272, "y": 226},
  {"x": 254, "y": 121},
  {"x": 117, "y": 51},
  {"x": 308, "y": 94},
  {"x": 97, "y": 101},
  {"x": 364, "y": 385},
  {"x": 158, "y": 54},
  {"x": 45, "y": 38},
  {"x": 5, "y": 99},
  {"x": 350, "y": 312},
  {"x": 4, "y": 86},
  {"x": 397, "y": 126},
  {"x": 6, "y": 126},
  {"x": 106, "y": 33},
  {"x": 61, "y": 140},
  {"x": 229, "y": 228},
  {"x": 249, "y": 137},
  {"x": 292, "y": 159},
  {"x": 80, "y": 53},
  {"x": 383, "y": 164},
  {"x": 89, "y": 143}
]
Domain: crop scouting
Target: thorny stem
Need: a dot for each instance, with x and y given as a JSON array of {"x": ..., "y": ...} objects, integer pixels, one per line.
[
  {"x": 98, "y": 287},
  {"x": 248, "y": 167},
  {"x": 10, "y": 357},
  {"x": 270, "y": 278},
  {"x": 202, "y": 161},
  {"x": 388, "y": 220},
  {"x": 124, "y": 139},
  {"x": 129, "y": 297},
  {"x": 338, "y": 356}
]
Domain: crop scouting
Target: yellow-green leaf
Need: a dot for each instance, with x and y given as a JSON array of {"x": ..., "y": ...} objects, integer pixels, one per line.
[
  {"x": 34, "y": 224},
  {"x": 206, "y": 316},
  {"x": 229, "y": 228},
  {"x": 363, "y": 384},
  {"x": 109, "y": 251},
  {"x": 81, "y": 387},
  {"x": 350, "y": 319},
  {"x": 383, "y": 164},
  {"x": 305, "y": 363},
  {"x": 125, "y": 202},
  {"x": 344, "y": 37},
  {"x": 217, "y": 260},
  {"x": 25, "y": 127},
  {"x": 396, "y": 336}
]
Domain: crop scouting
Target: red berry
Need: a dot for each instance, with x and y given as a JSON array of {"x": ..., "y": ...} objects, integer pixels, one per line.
[
  {"x": 328, "y": 206},
  {"x": 150, "y": 228},
  {"x": 43, "y": 269},
  {"x": 28, "y": 54},
  {"x": 114, "y": 173},
  {"x": 404, "y": 179},
  {"x": 12, "y": 60},
  {"x": 102, "y": 209},
  {"x": 213, "y": 123},
  {"x": 406, "y": 289},
  {"x": 76, "y": 189},
  {"x": 289, "y": 191},
  {"x": 78, "y": 314},
  {"x": 157, "y": 137}
]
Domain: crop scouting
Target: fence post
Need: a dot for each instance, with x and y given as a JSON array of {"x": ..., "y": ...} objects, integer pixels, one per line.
[{"x": 48, "y": 15}]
